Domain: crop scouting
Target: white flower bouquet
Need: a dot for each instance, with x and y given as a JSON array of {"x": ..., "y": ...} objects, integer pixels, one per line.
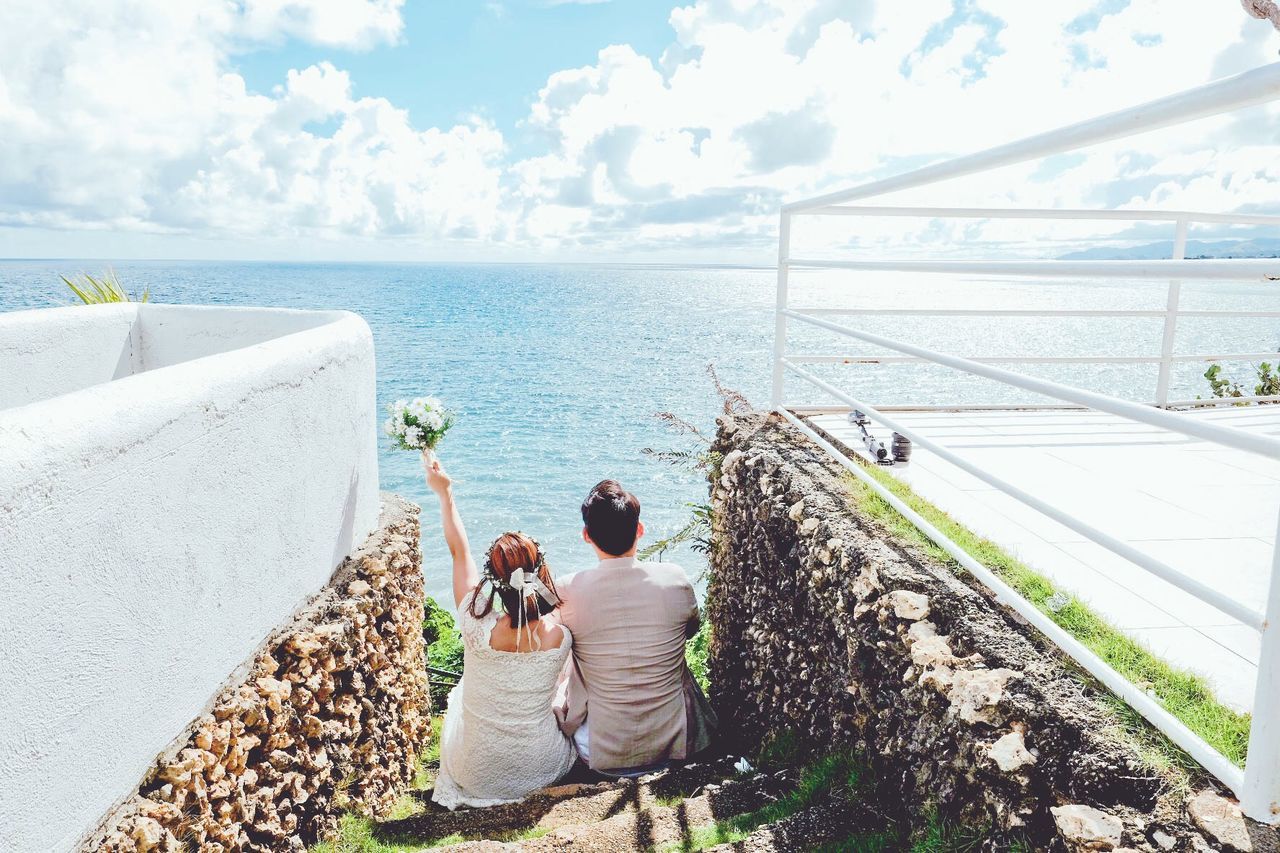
[{"x": 418, "y": 424}]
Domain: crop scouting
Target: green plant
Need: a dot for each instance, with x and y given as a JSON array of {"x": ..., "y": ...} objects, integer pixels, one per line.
[
  {"x": 838, "y": 775},
  {"x": 696, "y": 531},
  {"x": 99, "y": 291},
  {"x": 1268, "y": 381},
  {"x": 1220, "y": 385},
  {"x": 699, "y": 457},
  {"x": 779, "y": 749},
  {"x": 1268, "y": 384},
  {"x": 943, "y": 836},
  {"x": 696, "y": 652},
  {"x": 444, "y": 647}
]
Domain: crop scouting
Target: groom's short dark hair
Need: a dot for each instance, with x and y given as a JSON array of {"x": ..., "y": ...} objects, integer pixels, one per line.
[{"x": 612, "y": 517}]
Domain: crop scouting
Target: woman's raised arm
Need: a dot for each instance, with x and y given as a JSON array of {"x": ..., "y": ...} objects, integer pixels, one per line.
[{"x": 465, "y": 576}]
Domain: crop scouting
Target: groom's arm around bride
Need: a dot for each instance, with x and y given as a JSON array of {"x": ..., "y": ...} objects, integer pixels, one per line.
[{"x": 630, "y": 701}]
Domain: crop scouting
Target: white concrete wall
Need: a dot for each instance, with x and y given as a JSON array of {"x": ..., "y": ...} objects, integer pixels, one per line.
[
  {"x": 155, "y": 528},
  {"x": 182, "y": 332},
  {"x": 59, "y": 350}
]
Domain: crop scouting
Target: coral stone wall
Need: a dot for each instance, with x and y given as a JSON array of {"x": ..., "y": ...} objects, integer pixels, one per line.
[
  {"x": 330, "y": 714},
  {"x": 828, "y": 628}
]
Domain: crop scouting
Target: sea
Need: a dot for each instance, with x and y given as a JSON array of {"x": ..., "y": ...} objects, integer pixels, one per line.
[{"x": 559, "y": 373}]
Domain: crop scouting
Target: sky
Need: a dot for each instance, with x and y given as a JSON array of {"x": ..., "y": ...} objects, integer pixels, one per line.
[{"x": 615, "y": 130}]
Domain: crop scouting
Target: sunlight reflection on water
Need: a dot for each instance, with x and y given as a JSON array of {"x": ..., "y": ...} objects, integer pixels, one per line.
[{"x": 556, "y": 371}]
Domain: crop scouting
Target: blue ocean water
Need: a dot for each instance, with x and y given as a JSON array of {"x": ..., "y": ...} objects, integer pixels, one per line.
[{"x": 557, "y": 371}]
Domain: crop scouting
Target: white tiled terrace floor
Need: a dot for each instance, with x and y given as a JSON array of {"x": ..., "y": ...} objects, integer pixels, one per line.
[{"x": 1207, "y": 511}]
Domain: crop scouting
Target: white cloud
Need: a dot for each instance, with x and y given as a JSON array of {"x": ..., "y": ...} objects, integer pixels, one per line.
[
  {"x": 761, "y": 100},
  {"x": 130, "y": 117},
  {"x": 338, "y": 23}
]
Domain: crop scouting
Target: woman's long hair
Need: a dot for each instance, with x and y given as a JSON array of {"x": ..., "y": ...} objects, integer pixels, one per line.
[{"x": 509, "y": 553}]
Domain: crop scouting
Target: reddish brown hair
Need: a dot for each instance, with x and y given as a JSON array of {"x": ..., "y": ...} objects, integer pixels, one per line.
[{"x": 509, "y": 552}]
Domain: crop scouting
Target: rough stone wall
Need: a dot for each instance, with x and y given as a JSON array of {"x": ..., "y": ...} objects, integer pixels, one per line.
[
  {"x": 330, "y": 714},
  {"x": 828, "y": 628}
]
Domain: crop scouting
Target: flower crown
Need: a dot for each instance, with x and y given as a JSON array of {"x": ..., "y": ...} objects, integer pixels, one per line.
[{"x": 524, "y": 582}]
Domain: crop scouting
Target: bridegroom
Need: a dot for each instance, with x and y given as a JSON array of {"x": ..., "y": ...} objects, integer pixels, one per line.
[{"x": 629, "y": 703}]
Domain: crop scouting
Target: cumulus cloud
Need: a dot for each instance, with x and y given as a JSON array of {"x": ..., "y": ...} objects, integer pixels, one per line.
[
  {"x": 339, "y": 23},
  {"x": 760, "y": 100},
  {"x": 130, "y": 116},
  {"x": 127, "y": 116}
]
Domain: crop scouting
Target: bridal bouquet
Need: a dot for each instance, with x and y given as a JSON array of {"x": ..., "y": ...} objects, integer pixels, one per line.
[{"x": 418, "y": 424}]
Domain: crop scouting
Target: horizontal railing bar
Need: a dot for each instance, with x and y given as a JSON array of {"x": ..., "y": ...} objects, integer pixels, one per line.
[
  {"x": 1003, "y": 359},
  {"x": 1034, "y": 359},
  {"x": 1199, "y": 313},
  {"x": 1205, "y": 403},
  {"x": 983, "y": 312},
  {"x": 1250, "y": 269},
  {"x": 946, "y": 407},
  {"x": 1150, "y": 708},
  {"x": 1207, "y": 594},
  {"x": 1024, "y": 312},
  {"x": 1175, "y": 421},
  {"x": 1221, "y": 96},
  {"x": 1045, "y": 213}
]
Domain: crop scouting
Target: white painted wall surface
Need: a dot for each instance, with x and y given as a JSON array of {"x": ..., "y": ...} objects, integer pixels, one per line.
[
  {"x": 156, "y": 527},
  {"x": 59, "y": 350}
]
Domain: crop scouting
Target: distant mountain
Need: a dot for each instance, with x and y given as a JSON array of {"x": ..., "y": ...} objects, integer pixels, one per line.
[{"x": 1260, "y": 248}]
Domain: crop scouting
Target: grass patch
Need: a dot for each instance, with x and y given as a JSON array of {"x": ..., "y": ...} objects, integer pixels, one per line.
[
  {"x": 355, "y": 835},
  {"x": 702, "y": 837},
  {"x": 942, "y": 836},
  {"x": 839, "y": 774},
  {"x": 1183, "y": 694},
  {"x": 359, "y": 834},
  {"x": 779, "y": 749}
]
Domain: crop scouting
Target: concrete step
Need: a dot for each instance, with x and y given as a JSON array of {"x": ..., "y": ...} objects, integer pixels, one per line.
[
  {"x": 561, "y": 805},
  {"x": 643, "y": 823}
]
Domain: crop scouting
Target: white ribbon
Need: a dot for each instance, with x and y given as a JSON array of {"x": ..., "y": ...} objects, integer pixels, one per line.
[{"x": 525, "y": 582}]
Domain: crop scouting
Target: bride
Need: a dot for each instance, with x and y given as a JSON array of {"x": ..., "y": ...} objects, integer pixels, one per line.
[{"x": 500, "y": 740}]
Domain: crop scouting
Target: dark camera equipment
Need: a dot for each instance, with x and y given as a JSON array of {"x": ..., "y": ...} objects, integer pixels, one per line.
[
  {"x": 874, "y": 445},
  {"x": 901, "y": 447}
]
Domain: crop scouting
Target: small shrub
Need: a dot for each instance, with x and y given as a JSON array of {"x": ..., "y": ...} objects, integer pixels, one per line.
[
  {"x": 100, "y": 291},
  {"x": 444, "y": 648},
  {"x": 696, "y": 652},
  {"x": 1223, "y": 387},
  {"x": 1268, "y": 381}
]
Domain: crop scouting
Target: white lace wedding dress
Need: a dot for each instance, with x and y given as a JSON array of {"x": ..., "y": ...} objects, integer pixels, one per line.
[{"x": 500, "y": 741}]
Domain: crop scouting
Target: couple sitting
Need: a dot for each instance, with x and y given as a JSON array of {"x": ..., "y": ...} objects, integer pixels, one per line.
[{"x": 589, "y": 670}]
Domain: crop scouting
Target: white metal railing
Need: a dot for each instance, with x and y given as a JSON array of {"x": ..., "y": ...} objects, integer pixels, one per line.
[{"x": 1258, "y": 784}]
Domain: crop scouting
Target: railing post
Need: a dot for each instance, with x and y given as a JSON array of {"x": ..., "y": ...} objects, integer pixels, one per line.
[
  {"x": 780, "y": 319},
  {"x": 1260, "y": 798},
  {"x": 1171, "y": 318}
]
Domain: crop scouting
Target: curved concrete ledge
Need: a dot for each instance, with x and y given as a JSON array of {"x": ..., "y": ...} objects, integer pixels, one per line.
[{"x": 174, "y": 481}]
